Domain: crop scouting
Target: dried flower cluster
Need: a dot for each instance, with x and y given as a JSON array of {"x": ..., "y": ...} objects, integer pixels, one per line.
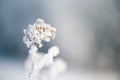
[
  {"x": 38, "y": 32},
  {"x": 34, "y": 35}
]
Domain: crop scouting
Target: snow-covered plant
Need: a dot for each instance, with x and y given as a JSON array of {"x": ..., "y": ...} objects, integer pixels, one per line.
[{"x": 34, "y": 35}]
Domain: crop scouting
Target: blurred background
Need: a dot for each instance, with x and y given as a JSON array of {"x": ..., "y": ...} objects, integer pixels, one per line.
[{"x": 88, "y": 35}]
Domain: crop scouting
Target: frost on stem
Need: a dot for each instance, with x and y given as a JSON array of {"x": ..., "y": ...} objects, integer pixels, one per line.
[{"x": 34, "y": 35}]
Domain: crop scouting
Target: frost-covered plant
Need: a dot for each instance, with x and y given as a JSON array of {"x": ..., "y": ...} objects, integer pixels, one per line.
[{"x": 34, "y": 35}]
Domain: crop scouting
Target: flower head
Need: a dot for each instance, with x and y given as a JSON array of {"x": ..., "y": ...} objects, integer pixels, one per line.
[{"x": 39, "y": 31}]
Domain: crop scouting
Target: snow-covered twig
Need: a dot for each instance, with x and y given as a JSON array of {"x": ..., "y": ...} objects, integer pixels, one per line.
[{"x": 34, "y": 35}]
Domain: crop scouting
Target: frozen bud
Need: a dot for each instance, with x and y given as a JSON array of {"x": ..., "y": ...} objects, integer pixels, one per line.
[{"x": 52, "y": 52}]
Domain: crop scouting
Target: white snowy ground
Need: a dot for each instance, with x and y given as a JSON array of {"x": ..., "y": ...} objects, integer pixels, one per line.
[{"x": 14, "y": 70}]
